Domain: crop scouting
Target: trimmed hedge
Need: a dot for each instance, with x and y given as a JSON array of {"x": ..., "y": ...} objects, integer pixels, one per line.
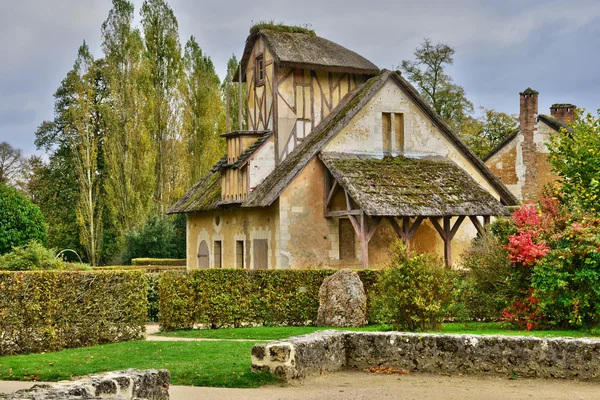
[
  {"x": 52, "y": 310},
  {"x": 233, "y": 297},
  {"x": 146, "y": 268},
  {"x": 181, "y": 262}
]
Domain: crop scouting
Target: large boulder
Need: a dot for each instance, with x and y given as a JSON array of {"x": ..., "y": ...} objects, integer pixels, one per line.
[{"x": 342, "y": 300}]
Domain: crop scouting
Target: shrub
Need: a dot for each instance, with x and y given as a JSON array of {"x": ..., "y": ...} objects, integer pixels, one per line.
[
  {"x": 147, "y": 268},
  {"x": 159, "y": 261},
  {"x": 567, "y": 280},
  {"x": 414, "y": 293},
  {"x": 233, "y": 297},
  {"x": 32, "y": 256},
  {"x": 153, "y": 296},
  {"x": 160, "y": 237},
  {"x": 20, "y": 220},
  {"x": 53, "y": 310}
]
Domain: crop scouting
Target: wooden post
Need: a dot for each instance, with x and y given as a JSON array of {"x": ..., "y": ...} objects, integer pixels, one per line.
[
  {"x": 240, "y": 105},
  {"x": 364, "y": 241},
  {"x": 447, "y": 242}
]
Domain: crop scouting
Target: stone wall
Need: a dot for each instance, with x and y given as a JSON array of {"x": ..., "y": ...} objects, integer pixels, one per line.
[
  {"x": 129, "y": 384},
  {"x": 465, "y": 354}
]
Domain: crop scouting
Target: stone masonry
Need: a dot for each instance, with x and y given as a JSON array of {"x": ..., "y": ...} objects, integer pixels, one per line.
[
  {"x": 528, "y": 125},
  {"x": 129, "y": 384},
  {"x": 529, "y": 357}
]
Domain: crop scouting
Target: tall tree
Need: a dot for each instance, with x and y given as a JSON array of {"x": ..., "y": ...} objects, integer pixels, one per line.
[
  {"x": 231, "y": 95},
  {"x": 483, "y": 134},
  {"x": 11, "y": 162},
  {"x": 427, "y": 73},
  {"x": 128, "y": 143},
  {"x": 84, "y": 132},
  {"x": 203, "y": 118},
  {"x": 163, "y": 56}
]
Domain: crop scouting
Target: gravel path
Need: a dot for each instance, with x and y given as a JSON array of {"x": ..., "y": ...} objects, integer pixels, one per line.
[{"x": 359, "y": 386}]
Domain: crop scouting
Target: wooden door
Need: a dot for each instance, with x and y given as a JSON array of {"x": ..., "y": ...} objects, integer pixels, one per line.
[
  {"x": 203, "y": 255},
  {"x": 261, "y": 253}
]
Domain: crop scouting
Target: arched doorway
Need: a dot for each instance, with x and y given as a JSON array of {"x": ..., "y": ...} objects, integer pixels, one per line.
[{"x": 203, "y": 255}]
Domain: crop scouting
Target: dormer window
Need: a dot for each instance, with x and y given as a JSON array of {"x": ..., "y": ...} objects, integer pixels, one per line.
[{"x": 260, "y": 70}]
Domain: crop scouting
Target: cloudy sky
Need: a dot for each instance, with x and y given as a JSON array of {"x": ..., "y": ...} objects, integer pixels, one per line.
[{"x": 502, "y": 47}]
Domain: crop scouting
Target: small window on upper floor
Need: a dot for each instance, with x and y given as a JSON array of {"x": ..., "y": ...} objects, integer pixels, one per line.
[
  {"x": 260, "y": 70},
  {"x": 392, "y": 131}
]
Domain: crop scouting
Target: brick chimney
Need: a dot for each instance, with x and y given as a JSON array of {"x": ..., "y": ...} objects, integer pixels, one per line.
[
  {"x": 563, "y": 112},
  {"x": 527, "y": 117}
]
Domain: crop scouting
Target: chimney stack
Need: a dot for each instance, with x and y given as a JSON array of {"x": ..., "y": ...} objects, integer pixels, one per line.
[
  {"x": 563, "y": 112},
  {"x": 528, "y": 124}
]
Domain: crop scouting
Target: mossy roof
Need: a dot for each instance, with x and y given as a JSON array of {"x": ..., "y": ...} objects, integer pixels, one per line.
[
  {"x": 549, "y": 120},
  {"x": 403, "y": 186},
  {"x": 296, "y": 49},
  {"x": 204, "y": 195},
  {"x": 245, "y": 156}
]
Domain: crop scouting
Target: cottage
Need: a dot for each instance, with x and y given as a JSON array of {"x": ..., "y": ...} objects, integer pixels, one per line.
[
  {"x": 341, "y": 159},
  {"x": 521, "y": 160}
]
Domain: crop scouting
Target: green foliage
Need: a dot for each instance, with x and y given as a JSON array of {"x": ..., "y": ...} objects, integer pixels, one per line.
[
  {"x": 281, "y": 27},
  {"x": 153, "y": 296},
  {"x": 484, "y": 133},
  {"x": 415, "y": 292},
  {"x": 485, "y": 289},
  {"x": 32, "y": 256},
  {"x": 156, "y": 239},
  {"x": 51, "y": 310},
  {"x": 567, "y": 280},
  {"x": 575, "y": 157},
  {"x": 20, "y": 220},
  {"x": 232, "y": 297},
  {"x": 147, "y": 268},
  {"x": 428, "y": 74},
  {"x": 159, "y": 261}
]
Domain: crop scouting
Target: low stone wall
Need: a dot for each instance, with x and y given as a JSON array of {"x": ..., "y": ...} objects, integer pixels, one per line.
[
  {"x": 119, "y": 385},
  {"x": 466, "y": 354},
  {"x": 301, "y": 356}
]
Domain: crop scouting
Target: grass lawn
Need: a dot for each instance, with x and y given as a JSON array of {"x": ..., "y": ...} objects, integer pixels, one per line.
[
  {"x": 281, "y": 332},
  {"x": 225, "y": 364}
]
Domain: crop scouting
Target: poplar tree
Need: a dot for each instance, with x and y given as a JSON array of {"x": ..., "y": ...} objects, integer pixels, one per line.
[
  {"x": 128, "y": 145},
  {"x": 162, "y": 53},
  {"x": 232, "y": 98},
  {"x": 203, "y": 118}
]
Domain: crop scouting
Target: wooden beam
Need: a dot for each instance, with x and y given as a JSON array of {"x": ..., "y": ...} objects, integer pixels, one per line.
[
  {"x": 447, "y": 242},
  {"x": 374, "y": 224},
  {"x": 456, "y": 226},
  {"x": 486, "y": 221},
  {"x": 342, "y": 213},
  {"x": 355, "y": 223},
  {"x": 348, "y": 200},
  {"x": 475, "y": 220},
  {"x": 413, "y": 229},
  {"x": 437, "y": 226},
  {"x": 396, "y": 227},
  {"x": 364, "y": 241}
]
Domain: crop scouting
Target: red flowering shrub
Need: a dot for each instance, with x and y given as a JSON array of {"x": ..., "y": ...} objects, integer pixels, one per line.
[
  {"x": 523, "y": 312},
  {"x": 523, "y": 249}
]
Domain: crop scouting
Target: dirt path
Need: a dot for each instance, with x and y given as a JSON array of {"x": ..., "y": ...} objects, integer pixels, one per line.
[{"x": 359, "y": 385}]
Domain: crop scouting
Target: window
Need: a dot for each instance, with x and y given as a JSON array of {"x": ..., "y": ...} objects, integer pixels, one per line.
[
  {"x": 347, "y": 240},
  {"x": 399, "y": 132},
  {"x": 260, "y": 70},
  {"x": 239, "y": 254},
  {"x": 217, "y": 254},
  {"x": 261, "y": 253},
  {"x": 203, "y": 255},
  {"x": 386, "y": 131}
]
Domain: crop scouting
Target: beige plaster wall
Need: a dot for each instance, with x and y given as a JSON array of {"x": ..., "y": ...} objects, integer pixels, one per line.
[
  {"x": 363, "y": 134},
  {"x": 235, "y": 224},
  {"x": 262, "y": 163}
]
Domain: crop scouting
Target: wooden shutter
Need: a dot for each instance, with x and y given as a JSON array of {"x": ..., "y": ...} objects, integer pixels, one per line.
[
  {"x": 217, "y": 251},
  {"x": 347, "y": 240},
  {"x": 239, "y": 254}
]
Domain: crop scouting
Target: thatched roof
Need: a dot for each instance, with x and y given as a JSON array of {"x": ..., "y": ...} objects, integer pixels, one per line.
[
  {"x": 205, "y": 195},
  {"x": 402, "y": 186},
  {"x": 270, "y": 189},
  {"x": 303, "y": 50},
  {"x": 245, "y": 156}
]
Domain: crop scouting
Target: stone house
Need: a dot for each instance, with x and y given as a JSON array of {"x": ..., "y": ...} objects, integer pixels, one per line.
[
  {"x": 521, "y": 160},
  {"x": 341, "y": 159}
]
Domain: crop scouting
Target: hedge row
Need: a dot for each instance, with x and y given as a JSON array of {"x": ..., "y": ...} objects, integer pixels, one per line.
[
  {"x": 233, "y": 297},
  {"x": 52, "y": 310},
  {"x": 181, "y": 262},
  {"x": 146, "y": 268}
]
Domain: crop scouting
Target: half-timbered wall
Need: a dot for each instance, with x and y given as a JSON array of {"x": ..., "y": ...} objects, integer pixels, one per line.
[
  {"x": 260, "y": 94},
  {"x": 304, "y": 98}
]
